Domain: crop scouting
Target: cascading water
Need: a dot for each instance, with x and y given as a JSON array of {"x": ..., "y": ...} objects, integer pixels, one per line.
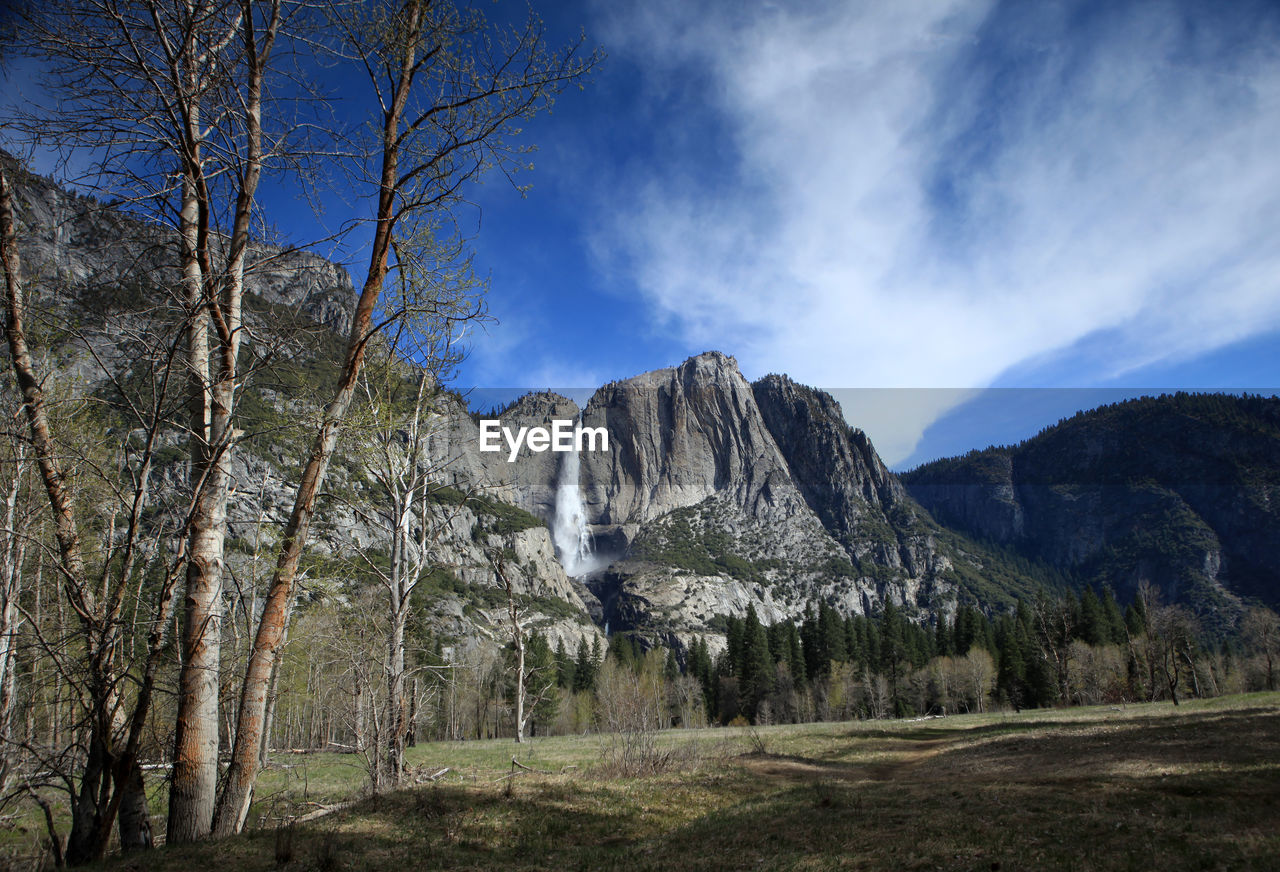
[{"x": 570, "y": 532}]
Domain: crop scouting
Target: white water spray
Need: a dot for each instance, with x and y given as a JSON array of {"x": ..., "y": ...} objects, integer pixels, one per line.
[{"x": 570, "y": 532}]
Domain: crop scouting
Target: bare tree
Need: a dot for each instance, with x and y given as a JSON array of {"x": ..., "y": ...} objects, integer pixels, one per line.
[
  {"x": 174, "y": 92},
  {"x": 397, "y": 437},
  {"x": 632, "y": 705},
  {"x": 1172, "y": 631},
  {"x": 102, "y": 776},
  {"x": 13, "y": 546},
  {"x": 1260, "y": 628},
  {"x": 524, "y": 678},
  {"x": 448, "y": 95},
  {"x": 1055, "y": 625}
]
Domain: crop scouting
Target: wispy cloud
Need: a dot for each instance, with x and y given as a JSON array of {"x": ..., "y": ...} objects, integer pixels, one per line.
[{"x": 927, "y": 194}]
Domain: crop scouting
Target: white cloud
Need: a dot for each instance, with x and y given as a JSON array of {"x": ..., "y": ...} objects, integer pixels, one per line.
[{"x": 1122, "y": 179}]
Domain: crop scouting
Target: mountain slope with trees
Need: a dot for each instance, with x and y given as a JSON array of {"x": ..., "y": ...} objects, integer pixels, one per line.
[{"x": 1180, "y": 491}]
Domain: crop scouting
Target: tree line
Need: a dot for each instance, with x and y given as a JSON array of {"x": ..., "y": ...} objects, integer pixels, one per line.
[
  {"x": 1064, "y": 650},
  {"x": 1053, "y": 651}
]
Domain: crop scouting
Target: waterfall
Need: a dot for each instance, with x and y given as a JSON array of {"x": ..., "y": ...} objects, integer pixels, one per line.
[{"x": 572, "y": 538}]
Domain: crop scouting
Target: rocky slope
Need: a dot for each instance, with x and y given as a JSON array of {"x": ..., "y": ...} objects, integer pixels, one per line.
[
  {"x": 716, "y": 495},
  {"x": 100, "y": 282},
  {"x": 1180, "y": 491}
]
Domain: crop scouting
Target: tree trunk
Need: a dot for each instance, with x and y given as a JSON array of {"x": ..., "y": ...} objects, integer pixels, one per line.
[
  {"x": 233, "y": 804},
  {"x": 195, "y": 747},
  {"x": 135, "y": 821},
  {"x": 88, "y": 809}
]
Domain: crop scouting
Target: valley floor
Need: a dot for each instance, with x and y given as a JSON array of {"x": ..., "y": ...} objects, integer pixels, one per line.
[{"x": 1140, "y": 787}]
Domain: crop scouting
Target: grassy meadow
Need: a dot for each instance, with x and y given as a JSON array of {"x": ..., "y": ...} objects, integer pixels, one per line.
[{"x": 1136, "y": 788}]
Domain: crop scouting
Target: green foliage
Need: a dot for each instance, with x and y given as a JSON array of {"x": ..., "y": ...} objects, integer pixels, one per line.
[
  {"x": 690, "y": 538},
  {"x": 499, "y": 518}
]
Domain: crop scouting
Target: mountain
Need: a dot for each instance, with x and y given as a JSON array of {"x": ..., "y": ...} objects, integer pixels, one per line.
[
  {"x": 103, "y": 308},
  {"x": 717, "y": 495},
  {"x": 1180, "y": 491}
]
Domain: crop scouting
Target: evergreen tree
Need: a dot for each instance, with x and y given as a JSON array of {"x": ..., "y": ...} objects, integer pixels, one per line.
[
  {"x": 988, "y": 634},
  {"x": 942, "y": 637},
  {"x": 623, "y": 649},
  {"x": 539, "y": 677},
  {"x": 851, "y": 646},
  {"x": 699, "y": 666},
  {"x": 671, "y": 671},
  {"x": 755, "y": 675},
  {"x": 831, "y": 643},
  {"x": 1011, "y": 675},
  {"x": 810, "y": 643},
  {"x": 584, "y": 671},
  {"x": 892, "y": 647},
  {"x": 1135, "y": 617},
  {"x": 733, "y": 636},
  {"x": 795, "y": 656},
  {"x": 965, "y": 631},
  {"x": 871, "y": 657},
  {"x": 565, "y": 666},
  {"x": 862, "y": 652},
  {"x": 1112, "y": 618},
  {"x": 1092, "y": 625}
]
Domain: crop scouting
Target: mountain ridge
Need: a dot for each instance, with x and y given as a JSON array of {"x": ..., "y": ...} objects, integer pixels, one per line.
[{"x": 718, "y": 495}]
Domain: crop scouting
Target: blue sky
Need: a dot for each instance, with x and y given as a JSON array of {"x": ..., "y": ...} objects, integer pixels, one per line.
[
  {"x": 940, "y": 196},
  {"x": 905, "y": 203}
]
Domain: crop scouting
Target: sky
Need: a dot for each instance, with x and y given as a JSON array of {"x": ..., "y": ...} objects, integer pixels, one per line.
[
  {"x": 1067, "y": 202},
  {"x": 965, "y": 220}
]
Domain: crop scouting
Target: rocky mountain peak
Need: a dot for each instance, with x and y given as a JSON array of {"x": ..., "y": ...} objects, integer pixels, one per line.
[
  {"x": 834, "y": 466},
  {"x": 677, "y": 436}
]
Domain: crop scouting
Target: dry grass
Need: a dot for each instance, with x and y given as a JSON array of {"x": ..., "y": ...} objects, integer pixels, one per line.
[{"x": 1147, "y": 787}]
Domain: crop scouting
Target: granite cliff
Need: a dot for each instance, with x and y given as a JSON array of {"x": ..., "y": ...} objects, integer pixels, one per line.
[{"x": 716, "y": 494}]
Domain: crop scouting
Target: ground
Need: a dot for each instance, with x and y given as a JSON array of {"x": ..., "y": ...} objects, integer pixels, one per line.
[{"x": 1138, "y": 787}]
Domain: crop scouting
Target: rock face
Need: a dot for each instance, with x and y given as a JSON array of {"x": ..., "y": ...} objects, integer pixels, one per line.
[
  {"x": 74, "y": 243},
  {"x": 716, "y": 495},
  {"x": 1178, "y": 491},
  {"x": 842, "y": 478},
  {"x": 102, "y": 274},
  {"x": 679, "y": 435},
  {"x": 834, "y": 465}
]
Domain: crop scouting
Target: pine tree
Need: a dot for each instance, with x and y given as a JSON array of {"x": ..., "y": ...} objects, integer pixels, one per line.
[
  {"x": 756, "y": 669},
  {"x": 565, "y": 666},
  {"x": 540, "y": 676},
  {"x": 830, "y": 635},
  {"x": 1112, "y": 618},
  {"x": 965, "y": 630},
  {"x": 1010, "y": 678},
  {"x": 810, "y": 643},
  {"x": 733, "y": 652},
  {"x": 938, "y": 639},
  {"x": 795, "y": 657},
  {"x": 624, "y": 648},
  {"x": 1135, "y": 617},
  {"x": 1093, "y": 630},
  {"x": 584, "y": 672}
]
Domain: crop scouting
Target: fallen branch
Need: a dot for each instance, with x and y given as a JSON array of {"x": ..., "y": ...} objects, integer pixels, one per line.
[
  {"x": 422, "y": 779},
  {"x": 327, "y": 810},
  {"x": 515, "y": 762}
]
